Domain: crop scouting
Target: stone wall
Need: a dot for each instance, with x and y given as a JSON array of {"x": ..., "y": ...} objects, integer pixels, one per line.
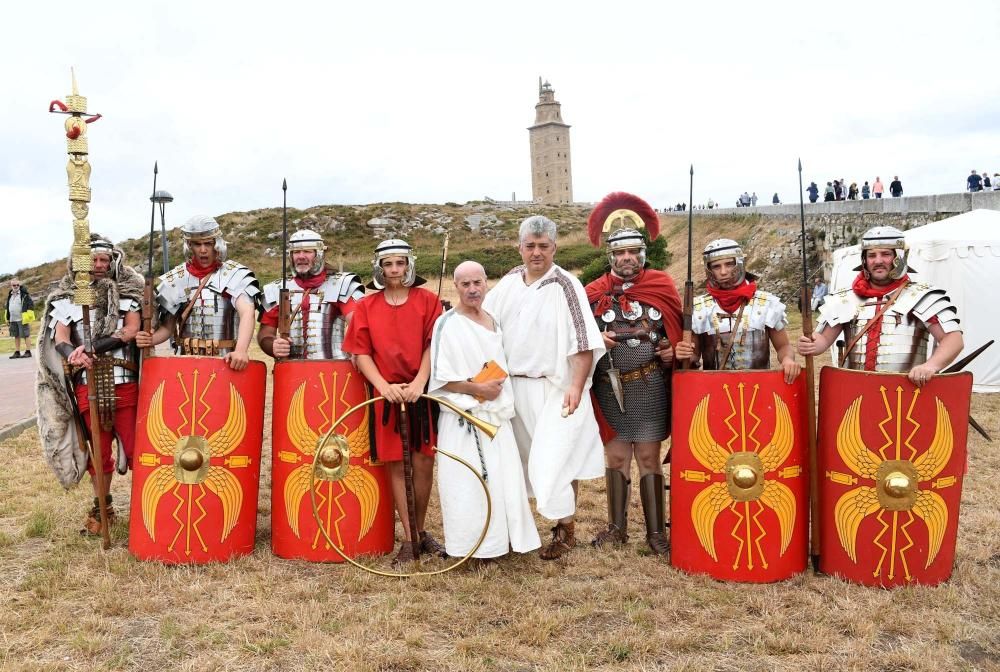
[
  {"x": 837, "y": 224},
  {"x": 948, "y": 204}
]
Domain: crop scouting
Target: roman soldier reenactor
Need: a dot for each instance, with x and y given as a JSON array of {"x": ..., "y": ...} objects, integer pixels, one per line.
[
  {"x": 67, "y": 370},
  {"x": 390, "y": 336},
  {"x": 314, "y": 382},
  {"x": 194, "y": 488},
  {"x": 738, "y": 478},
  {"x": 886, "y": 318},
  {"x": 639, "y": 313},
  {"x": 321, "y": 303},
  {"x": 736, "y": 323},
  {"x": 889, "y": 500},
  {"x": 208, "y": 303}
]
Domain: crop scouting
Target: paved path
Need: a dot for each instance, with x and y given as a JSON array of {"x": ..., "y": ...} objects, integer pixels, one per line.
[{"x": 17, "y": 390}]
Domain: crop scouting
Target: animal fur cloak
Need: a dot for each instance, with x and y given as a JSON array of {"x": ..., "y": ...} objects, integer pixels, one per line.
[{"x": 58, "y": 426}]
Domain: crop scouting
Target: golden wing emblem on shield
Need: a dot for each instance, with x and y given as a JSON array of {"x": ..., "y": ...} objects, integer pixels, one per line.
[
  {"x": 896, "y": 488},
  {"x": 357, "y": 481},
  {"x": 217, "y": 479},
  {"x": 228, "y": 438},
  {"x": 746, "y": 478},
  {"x": 161, "y": 480},
  {"x": 704, "y": 447}
]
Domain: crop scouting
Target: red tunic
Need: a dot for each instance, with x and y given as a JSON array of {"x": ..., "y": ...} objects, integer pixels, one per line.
[{"x": 395, "y": 337}]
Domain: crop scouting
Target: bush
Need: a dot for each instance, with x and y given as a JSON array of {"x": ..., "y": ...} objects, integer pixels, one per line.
[{"x": 594, "y": 270}]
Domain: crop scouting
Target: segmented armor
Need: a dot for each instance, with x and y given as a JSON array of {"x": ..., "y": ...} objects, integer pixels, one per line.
[
  {"x": 212, "y": 323},
  {"x": 752, "y": 347},
  {"x": 322, "y": 336},
  {"x": 124, "y": 359},
  {"x": 903, "y": 336}
]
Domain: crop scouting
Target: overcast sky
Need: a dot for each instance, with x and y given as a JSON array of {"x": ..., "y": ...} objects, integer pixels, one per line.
[{"x": 429, "y": 102}]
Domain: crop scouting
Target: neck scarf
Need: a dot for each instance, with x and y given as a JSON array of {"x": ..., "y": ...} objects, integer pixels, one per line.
[
  {"x": 201, "y": 271},
  {"x": 730, "y": 300},
  {"x": 308, "y": 284},
  {"x": 863, "y": 287}
]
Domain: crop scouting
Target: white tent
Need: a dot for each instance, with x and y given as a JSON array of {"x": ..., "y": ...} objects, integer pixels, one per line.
[{"x": 960, "y": 254}]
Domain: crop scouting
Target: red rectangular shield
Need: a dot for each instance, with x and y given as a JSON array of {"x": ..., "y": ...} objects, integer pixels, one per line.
[
  {"x": 196, "y": 469},
  {"x": 891, "y": 457},
  {"x": 739, "y": 482},
  {"x": 357, "y": 510}
]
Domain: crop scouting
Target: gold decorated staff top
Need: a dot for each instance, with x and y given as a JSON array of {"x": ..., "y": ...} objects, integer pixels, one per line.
[{"x": 78, "y": 174}]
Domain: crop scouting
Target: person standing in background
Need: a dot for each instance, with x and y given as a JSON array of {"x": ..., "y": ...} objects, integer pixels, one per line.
[{"x": 19, "y": 301}]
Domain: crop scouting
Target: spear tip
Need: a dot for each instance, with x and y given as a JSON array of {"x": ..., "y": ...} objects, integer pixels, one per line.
[
  {"x": 800, "y": 164},
  {"x": 284, "y": 184},
  {"x": 156, "y": 167},
  {"x": 692, "y": 170}
]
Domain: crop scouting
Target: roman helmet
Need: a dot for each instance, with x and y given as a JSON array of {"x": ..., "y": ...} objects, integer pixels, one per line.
[
  {"x": 394, "y": 247},
  {"x": 886, "y": 238},
  {"x": 305, "y": 239},
  {"x": 203, "y": 227},
  {"x": 623, "y": 215},
  {"x": 725, "y": 248},
  {"x": 101, "y": 245}
]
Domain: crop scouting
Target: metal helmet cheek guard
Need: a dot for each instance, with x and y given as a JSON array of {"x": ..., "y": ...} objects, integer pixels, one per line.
[
  {"x": 724, "y": 248},
  {"x": 203, "y": 227},
  {"x": 627, "y": 239},
  {"x": 394, "y": 247},
  {"x": 306, "y": 239},
  {"x": 886, "y": 238}
]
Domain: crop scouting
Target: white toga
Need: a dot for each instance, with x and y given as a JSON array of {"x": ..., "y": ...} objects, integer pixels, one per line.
[
  {"x": 459, "y": 349},
  {"x": 543, "y": 325}
]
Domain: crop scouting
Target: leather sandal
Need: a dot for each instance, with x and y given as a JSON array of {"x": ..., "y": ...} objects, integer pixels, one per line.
[
  {"x": 563, "y": 541},
  {"x": 405, "y": 555},
  {"x": 610, "y": 535},
  {"x": 92, "y": 523},
  {"x": 431, "y": 546}
]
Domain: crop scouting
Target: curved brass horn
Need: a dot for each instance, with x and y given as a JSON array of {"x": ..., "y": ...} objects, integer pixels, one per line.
[{"x": 485, "y": 427}]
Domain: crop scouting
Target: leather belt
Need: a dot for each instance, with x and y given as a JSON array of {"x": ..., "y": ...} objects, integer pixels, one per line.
[
  {"x": 207, "y": 346},
  {"x": 642, "y": 372}
]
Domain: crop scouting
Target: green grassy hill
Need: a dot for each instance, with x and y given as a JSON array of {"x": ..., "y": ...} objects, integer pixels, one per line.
[{"x": 352, "y": 231}]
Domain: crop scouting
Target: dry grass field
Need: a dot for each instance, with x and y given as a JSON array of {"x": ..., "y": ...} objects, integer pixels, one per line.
[{"x": 67, "y": 605}]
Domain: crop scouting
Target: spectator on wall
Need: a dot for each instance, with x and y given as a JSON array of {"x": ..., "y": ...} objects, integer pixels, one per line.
[
  {"x": 775, "y": 200},
  {"x": 986, "y": 180},
  {"x": 973, "y": 182},
  {"x": 878, "y": 187},
  {"x": 852, "y": 193},
  {"x": 813, "y": 192},
  {"x": 896, "y": 187},
  {"x": 829, "y": 194},
  {"x": 866, "y": 191}
]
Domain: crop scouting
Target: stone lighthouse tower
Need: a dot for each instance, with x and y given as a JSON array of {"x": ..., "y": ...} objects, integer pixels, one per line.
[{"x": 551, "y": 173}]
